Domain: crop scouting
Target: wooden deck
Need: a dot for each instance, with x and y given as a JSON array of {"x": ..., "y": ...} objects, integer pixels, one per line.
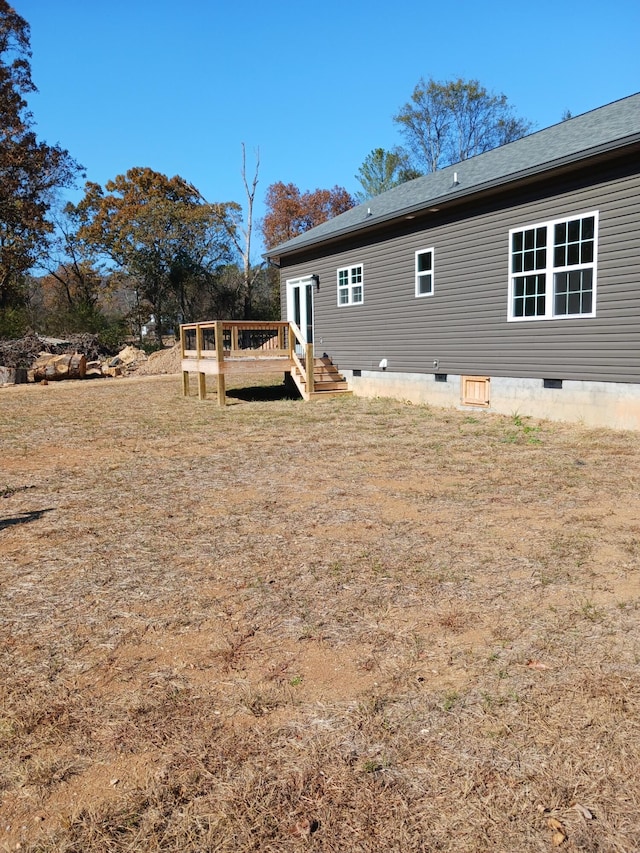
[{"x": 243, "y": 348}]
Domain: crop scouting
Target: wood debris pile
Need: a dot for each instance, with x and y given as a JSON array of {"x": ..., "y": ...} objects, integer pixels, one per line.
[{"x": 35, "y": 358}]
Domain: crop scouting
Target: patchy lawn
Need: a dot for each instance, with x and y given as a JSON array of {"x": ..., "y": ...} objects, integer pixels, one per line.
[{"x": 355, "y": 625}]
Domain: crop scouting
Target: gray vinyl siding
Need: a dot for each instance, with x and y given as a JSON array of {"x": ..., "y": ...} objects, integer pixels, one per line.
[{"x": 463, "y": 325}]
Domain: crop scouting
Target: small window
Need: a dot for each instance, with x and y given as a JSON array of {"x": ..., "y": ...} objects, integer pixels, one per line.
[
  {"x": 350, "y": 285},
  {"x": 552, "y": 269},
  {"x": 424, "y": 272}
]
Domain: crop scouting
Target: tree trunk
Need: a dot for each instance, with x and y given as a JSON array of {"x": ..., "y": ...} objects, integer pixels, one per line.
[{"x": 56, "y": 367}]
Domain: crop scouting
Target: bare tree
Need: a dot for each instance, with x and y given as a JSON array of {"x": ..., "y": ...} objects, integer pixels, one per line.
[
  {"x": 240, "y": 231},
  {"x": 249, "y": 272},
  {"x": 446, "y": 123}
]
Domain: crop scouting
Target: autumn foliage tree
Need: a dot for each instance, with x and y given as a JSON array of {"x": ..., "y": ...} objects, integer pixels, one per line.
[
  {"x": 30, "y": 170},
  {"x": 290, "y": 212},
  {"x": 157, "y": 231}
]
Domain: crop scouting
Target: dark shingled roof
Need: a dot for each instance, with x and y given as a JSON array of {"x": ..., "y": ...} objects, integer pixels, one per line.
[{"x": 603, "y": 129}]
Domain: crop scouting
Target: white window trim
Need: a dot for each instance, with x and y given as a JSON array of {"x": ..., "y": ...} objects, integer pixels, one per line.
[
  {"x": 550, "y": 269},
  {"x": 432, "y": 272},
  {"x": 351, "y": 286}
]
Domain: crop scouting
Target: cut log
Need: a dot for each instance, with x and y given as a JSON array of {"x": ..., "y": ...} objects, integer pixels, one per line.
[
  {"x": 56, "y": 367},
  {"x": 13, "y": 375},
  {"x": 94, "y": 370}
]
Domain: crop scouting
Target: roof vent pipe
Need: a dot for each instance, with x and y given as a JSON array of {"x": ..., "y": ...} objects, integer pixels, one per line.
[{"x": 455, "y": 179}]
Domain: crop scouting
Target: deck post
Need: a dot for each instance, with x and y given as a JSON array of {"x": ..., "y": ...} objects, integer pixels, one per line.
[
  {"x": 309, "y": 365},
  {"x": 202, "y": 386},
  {"x": 185, "y": 373},
  {"x": 222, "y": 397},
  {"x": 291, "y": 343}
]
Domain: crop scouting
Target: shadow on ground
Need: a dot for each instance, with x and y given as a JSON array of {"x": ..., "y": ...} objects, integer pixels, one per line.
[
  {"x": 23, "y": 517},
  {"x": 263, "y": 393}
]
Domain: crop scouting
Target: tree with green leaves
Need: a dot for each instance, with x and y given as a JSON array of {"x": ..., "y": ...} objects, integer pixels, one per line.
[
  {"x": 157, "y": 230},
  {"x": 30, "y": 170},
  {"x": 382, "y": 170},
  {"x": 445, "y": 123}
]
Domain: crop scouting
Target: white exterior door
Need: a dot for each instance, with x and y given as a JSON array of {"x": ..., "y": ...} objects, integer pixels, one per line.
[{"x": 300, "y": 306}]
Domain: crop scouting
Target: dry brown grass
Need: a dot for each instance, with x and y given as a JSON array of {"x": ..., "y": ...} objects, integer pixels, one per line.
[{"x": 351, "y": 626}]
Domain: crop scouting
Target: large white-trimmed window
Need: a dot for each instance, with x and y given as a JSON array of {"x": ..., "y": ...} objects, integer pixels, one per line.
[
  {"x": 350, "y": 285},
  {"x": 424, "y": 272},
  {"x": 552, "y": 268}
]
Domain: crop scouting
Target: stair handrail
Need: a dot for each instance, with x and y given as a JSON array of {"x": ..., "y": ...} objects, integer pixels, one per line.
[{"x": 306, "y": 370}]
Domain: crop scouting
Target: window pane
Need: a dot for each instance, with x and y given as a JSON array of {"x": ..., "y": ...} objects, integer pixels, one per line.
[
  {"x": 573, "y": 292},
  {"x": 573, "y": 253},
  {"x": 541, "y": 259},
  {"x": 541, "y": 236},
  {"x": 357, "y": 294},
  {"x": 560, "y": 233},
  {"x": 517, "y": 263},
  {"x": 529, "y": 239},
  {"x": 529, "y": 261},
  {"x": 424, "y": 262},
  {"x": 344, "y": 297},
  {"x": 560, "y": 256},
  {"x": 574, "y": 303},
  {"x": 424, "y": 283},
  {"x": 560, "y": 306},
  {"x": 588, "y": 228},
  {"x": 518, "y": 287},
  {"x": 516, "y": 243},
  {"x": 573, "y": 230},
  {"x": 586, "y": 253}
]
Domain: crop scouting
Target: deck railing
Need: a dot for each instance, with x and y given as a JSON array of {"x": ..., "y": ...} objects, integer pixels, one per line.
[
  {"x": 219, "y": 347},
  {"x": 262, "y": 339}
]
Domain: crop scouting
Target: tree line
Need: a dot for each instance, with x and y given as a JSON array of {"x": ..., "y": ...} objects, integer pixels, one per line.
[{"x": 146, "y": 245}]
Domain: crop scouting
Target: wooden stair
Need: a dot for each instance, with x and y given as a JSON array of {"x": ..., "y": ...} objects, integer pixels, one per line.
[{"x": 327, "y": 381}]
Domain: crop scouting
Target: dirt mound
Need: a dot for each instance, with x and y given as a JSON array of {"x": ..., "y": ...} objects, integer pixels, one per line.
[{"x": 162, "y": 361}]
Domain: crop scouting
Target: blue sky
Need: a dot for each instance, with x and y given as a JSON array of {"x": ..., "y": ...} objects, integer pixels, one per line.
[{"x": 179, "y": 86}]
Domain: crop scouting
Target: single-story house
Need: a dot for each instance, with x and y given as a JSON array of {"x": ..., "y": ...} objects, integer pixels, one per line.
[{"x": 508, "y": 282}]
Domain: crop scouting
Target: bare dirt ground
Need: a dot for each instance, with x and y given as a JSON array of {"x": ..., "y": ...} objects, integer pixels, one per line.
[{"x": 355, "y": 625}]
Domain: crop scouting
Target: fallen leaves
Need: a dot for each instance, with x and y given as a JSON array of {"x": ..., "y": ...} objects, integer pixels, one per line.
[
  {"x": 582, "y": 810},
  {"x": 559, "y": 834}
]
